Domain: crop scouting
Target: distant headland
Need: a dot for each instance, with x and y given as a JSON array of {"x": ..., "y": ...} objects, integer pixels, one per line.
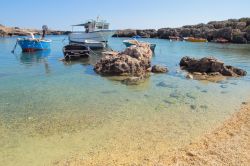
[
  {"x": 6, "y": 31},
  {"x": 232, "y": 30}
]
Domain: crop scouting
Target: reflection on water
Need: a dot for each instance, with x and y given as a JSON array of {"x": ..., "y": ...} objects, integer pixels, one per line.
[
  {"x": 38, "y": 57},
  {"x": 52, "y": 110}
]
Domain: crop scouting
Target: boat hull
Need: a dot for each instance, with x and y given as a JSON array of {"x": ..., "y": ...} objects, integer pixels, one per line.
[
  {"x": 128, "y": 44},
  {"x": 75, "y": 52},
  {"x": 31, "y": 45},
  {"x": 191, "y": 39},
  {"x": 99, "y": 36},
  {"x": 92, "y": 44}
]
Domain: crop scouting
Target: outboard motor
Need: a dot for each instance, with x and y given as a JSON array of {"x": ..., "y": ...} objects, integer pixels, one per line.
[{"x": 45, "y": 29}]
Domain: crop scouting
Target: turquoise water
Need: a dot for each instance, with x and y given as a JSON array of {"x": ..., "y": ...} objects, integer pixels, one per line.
[{"x": 53, "y": 112}]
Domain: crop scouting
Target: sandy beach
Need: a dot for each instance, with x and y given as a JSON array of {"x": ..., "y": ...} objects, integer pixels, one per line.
[{"x": 229, "y": 144}]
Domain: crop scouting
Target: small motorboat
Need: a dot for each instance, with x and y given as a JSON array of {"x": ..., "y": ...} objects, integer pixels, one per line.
[
  {"x": 193, "y": 39},
  {"x": 75, "y": 52},
  {"x": 221, "y": 40},
  {"x": 32, "y": 44},
  {"x": 129, "y": 43},
  {"x": 174, "y": 38},
  {"x": 92, "y": 44}
]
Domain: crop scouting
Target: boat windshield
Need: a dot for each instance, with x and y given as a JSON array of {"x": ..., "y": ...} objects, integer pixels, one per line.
[{"x": 91, "y": 26}]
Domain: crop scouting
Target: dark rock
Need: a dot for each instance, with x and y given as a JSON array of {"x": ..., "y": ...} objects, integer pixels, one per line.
[
  {"x": 168, "y": 102},
  {"x": 191, "y": 96},
  {"x": 210, "y": 65},
  {"x": 224, "y": 86},
  {"x": 175, "y": 95},
  {"x": 125, "y": 33},
  {"x": 147, "y": 33},
  {"x": 162, "y": 84},
  {"x": 164, "y": 33},
  {"x": 135, "y": 80},
  {"x": 239, "y": 38},
  {"x": 193, "y": 107},
  {"x": 225, "y": 33},
  {"x": 204, "y": 106},
  {"x": 159, "y": 69},
  {"x": 204, "y": 91}
]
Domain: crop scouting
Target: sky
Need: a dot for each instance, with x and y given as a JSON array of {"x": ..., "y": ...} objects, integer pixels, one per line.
[{"x": 121, "y": 14}]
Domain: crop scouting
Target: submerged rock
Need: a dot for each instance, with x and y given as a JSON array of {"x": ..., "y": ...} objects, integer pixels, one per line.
[
  {"x": 209, "y": 66},
  {"x": 159, "y": 69}
]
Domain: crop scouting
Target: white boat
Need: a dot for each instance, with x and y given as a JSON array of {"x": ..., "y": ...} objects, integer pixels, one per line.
[
  {"x": 94, "y": 30},
  {"x": 94, "y": 44}
]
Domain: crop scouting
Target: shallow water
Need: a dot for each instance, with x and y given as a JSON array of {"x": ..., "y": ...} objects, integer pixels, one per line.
[{"x": 51, "y": 110}]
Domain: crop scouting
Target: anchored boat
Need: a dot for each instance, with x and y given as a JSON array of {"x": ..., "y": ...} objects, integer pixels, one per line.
[
  {"x": 95, "y": 30},
  {"x": 129, "y": 43},
  {"x": 193, "y": 39},
  {"x": 32, "y": 44},
  {"x": 75, "y": 52}
]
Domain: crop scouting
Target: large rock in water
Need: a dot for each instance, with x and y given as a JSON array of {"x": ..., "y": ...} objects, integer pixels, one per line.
[
  {"x": 209, "y": 65},
  {"x": 133, "y": 61}
]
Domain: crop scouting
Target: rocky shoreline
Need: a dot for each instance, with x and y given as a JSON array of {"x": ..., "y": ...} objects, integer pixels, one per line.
[
  {"x": 16, "y": 31},
  {"x": 231, "y": 30}
]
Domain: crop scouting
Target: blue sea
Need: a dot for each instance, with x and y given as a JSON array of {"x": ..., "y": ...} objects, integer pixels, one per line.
[{"x": 53, "y": 112}]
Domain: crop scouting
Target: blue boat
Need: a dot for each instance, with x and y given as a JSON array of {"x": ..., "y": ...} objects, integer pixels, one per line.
[
  {"x": 32, "y": 44},
  {"x": 129, "y": 43}
]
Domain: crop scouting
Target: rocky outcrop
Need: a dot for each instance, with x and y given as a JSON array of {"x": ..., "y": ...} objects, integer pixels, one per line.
[
  {"x": 145, "y": 33},
  {"x": 209, "y": 66},
  {"x": 16, "y": 31},
  {"x": 233, "y": 30},
  {"x": 133, "y": 61}
]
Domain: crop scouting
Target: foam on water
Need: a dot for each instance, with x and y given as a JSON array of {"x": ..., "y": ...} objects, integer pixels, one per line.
[{"x": 51, "y": 111}]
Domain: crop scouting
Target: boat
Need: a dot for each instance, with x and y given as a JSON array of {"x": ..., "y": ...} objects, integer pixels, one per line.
[
  {"x": 129, "y": 43},
  {"x": 32, "y": 44},
  {"x": 174, "y": 38},
  {"x": 221, "y": 40},
  {"x": 94, "y": 44},
  {"x": 75, "y": 52},
  {"x": 95, "y": 30},
  {"x": 193, "y": 39}
]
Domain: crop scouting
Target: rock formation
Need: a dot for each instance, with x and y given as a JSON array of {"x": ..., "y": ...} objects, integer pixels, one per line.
[
  {"x": 133, "y": 61},
  {"x": 209, "y": 66},
  {"x": 16, "y": 31},
  {"x": 233, "y": 30}
]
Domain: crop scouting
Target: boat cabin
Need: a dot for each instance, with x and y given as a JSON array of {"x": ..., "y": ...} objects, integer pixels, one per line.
[{"x": 92, "y": 26}]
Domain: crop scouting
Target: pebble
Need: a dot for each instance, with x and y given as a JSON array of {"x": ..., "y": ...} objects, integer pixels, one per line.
[
  {"x": 189, "y": 76},
  {"x": 190, "y": 96},
  {"x": 224, "y": 92},
  {"x": 204, "y": 106},
  {"x": 193, "y": 107},
  {"x": 234, "y": 83},
  {"x": 162, "y": 84},
  {"x": 174, "y": 95},
  {"x": 168, "y": 102},
  {"x": 223, "y": 86},
  {"x": 204, "y": 91}
]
